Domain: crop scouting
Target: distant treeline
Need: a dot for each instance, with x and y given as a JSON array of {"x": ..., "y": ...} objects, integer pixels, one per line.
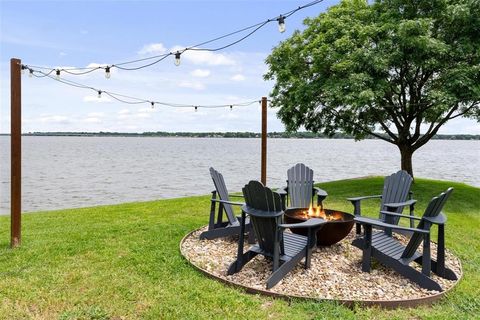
[{"x": 284, "y": 135}]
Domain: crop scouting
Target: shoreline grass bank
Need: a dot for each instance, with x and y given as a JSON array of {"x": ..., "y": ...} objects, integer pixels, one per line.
[{"x": 123, "y": 262}]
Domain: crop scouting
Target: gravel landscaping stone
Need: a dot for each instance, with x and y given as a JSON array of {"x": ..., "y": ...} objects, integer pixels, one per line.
[{"x": 335, "y": 271}]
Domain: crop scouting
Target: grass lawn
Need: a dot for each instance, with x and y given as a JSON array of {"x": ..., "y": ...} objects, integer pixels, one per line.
[{"x": 123, "y": 262}]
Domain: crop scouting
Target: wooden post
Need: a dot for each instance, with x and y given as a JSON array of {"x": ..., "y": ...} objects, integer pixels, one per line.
[
  {"x": 16, "y": 151},
  {"x": 264, "y": 141}
]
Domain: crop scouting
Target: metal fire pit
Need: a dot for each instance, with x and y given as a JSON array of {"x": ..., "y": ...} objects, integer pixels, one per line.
[{"x": 331, "y": 232}]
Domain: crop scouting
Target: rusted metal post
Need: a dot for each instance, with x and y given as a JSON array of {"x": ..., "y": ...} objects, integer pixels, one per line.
[
  {"x": 264, "y": 141},
  {"x": 16, "y": 151}
]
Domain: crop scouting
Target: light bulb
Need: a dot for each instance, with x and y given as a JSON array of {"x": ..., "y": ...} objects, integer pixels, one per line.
[
  {"x": 30, "y": 73},
  {"x": 153, "y": 104},
  {"x": 107, "y": 72},
  {"x": 177, "y": 58},
  {"x": 58, "y": 73},
  {"x": 23, "y": 69},
  {"x": 99, "y": 94},
  {"x": 196, "y": 108},
  {"x": 281, "y": 24},
  {"x": 231, "y": 107}
]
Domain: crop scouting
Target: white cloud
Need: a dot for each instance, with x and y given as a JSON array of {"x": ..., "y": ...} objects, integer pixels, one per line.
[
  {"x": 96, "y": 65},
  {"x": 191, "y": 85},
  {"x": 238, "y": 77},
  {"x": 124, "y": 111},
  {"x": 96, "y": 114},
  {"x": 142, "y": 115},
  {"x": 205, "y": 57},
  {"x": 92, "y": 120},
  {"x": 54, "y": 119},
  {"x": 128, "y": 115},
  {"x": 152, "y": 48},
  {"x": 96, "y": 99},
  {"x": 200, "y": 73},
  {"x": 148, "y": 110}
]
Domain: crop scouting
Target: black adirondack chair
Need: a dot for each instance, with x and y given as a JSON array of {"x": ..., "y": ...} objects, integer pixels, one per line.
[
  {"x": 264, "y": 208},
  {"x": 396, "y": 190},
  {"x": 219, "y": 228},
  {"x": 300, "y": 190},
  {"x": 391, "y": 253}
]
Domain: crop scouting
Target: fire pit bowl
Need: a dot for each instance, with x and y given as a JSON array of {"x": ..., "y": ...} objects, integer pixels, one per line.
[{"x": 338, "y": 224}]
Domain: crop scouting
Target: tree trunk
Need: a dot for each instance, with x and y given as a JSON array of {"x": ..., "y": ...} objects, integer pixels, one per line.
[{"x": 406, "y": 153}]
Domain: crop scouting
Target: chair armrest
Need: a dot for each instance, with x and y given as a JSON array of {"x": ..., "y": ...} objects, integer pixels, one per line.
[
  {"x": 310, "y": 223},
  {"x": 261, "y": 213},
  {"x": 440, "y": 219},
  {"x": 377, "y": 223},
  {"x": 357, "y": 205},
  {"x": 363, "y": 198},
  {"x": 400, "y": 204},
  {"x": 400, "y": 215},
  {"x": 320, "y": 192},
  {"x": 228, "y": 202}
]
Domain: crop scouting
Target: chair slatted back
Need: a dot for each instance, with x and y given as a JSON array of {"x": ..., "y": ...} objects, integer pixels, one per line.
[
  {"x": 264, "y": 225},
  {"x": 300, "y": 185},
  {"x": 433, "y": 209},
  {"x": 395, "y": 189},
  {"x": 222, "y": 192}
]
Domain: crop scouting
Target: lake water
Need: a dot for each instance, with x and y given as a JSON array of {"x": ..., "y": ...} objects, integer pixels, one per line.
[{"x": 67, "y": 172}]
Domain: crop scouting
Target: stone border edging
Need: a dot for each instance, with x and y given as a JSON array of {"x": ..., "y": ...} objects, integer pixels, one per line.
[{"x": 388, "y": 304}]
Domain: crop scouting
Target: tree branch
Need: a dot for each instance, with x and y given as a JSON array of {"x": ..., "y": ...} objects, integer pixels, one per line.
[
  {"x": 346, "y": 119},
  {"x": 431, "y": 132},
  {"x": 474, "y": 104}
]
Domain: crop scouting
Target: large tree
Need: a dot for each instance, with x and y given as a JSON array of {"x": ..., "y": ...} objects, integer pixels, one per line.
[{"x": 397, "y": 70}]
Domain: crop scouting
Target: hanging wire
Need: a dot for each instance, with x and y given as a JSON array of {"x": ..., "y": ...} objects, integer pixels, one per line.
[
  {"x": 134, "y": 100},
  {"x": 197, "y": 47}
]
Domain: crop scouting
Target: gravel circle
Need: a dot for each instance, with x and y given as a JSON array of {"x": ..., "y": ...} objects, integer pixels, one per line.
[{"x": 335, "y": 271}]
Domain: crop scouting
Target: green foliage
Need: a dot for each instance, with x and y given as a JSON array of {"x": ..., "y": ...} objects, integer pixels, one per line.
[
  {"x": 393, "y": 64},
  {"x": 123, "y": 262}
]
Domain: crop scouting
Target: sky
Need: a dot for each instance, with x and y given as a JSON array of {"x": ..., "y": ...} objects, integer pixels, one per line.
[{"x": 63, "y": 34}]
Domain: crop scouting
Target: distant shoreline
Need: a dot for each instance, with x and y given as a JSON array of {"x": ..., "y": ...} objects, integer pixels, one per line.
[{"x": 278, "y": 135}]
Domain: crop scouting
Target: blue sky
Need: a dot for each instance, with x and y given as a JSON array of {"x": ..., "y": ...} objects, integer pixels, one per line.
[{"x": 83, "y": 33}]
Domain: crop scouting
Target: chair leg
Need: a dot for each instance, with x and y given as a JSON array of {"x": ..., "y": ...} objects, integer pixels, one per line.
[
  {"x": 367, "y": 248},
  {"x": 211, "y": 221},
  {"x": 220, "y": 214},
  {"x": 441, "y": 251},
  {"x": 276, "y": 250},
  {"x": 426, "y": 260},
  {"x": 251, "y": 234},
  {"x": 357, "y": 212},
  {"x": 358, "y": 229}
]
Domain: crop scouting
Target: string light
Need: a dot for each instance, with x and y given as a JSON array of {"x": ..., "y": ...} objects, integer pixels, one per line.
[
  {"x": 281, "y": 24},
  {"x": 30, "y": 73},
  {"x": 107, "y": 72},
  {"x": 57, "y": 72},
  {"x": 198, "y": 47},
  {"x": 135, "y": 100},
  {"x": 99, "y": 94},
  {"x": 23, "y": 69},
  {"x": 231, "y": 107},
  {"x": 177, "y": 58}
]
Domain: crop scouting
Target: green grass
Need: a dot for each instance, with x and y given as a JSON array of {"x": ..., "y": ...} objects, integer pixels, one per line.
[{"x": 123, "y": 262}]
